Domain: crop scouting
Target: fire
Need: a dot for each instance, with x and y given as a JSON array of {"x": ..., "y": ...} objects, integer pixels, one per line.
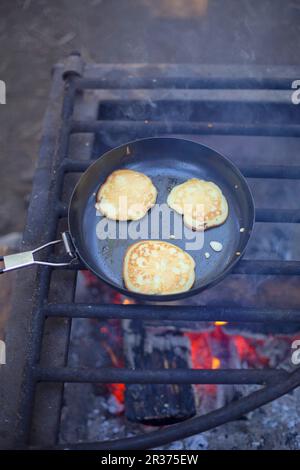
[
  {"x": 200, "y": 350},
  {"x": 118, "y": 390},
  {"x": 248, "y": 351},
  {"x": 205, "y": 344},
  {"x": 112, "y": 343},
  {"x": 128, "y": 301},
  {"x": 209, "y": 349},
  {"x": 215, "y": 363},
  {"x": 202, "y": 357}
]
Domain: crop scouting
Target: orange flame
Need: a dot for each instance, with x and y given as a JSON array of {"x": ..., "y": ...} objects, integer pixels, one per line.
[
  {"x": 202, "y": 356},
  {"x": 128, "y": 302},
  {"x": 215, "y": 363},
  {"x": 118, "y": 390}
]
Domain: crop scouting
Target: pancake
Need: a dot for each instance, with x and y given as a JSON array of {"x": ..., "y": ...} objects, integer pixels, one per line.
[
  {"x": 201, "y": 203},
  {"x": 158, "y": 267},
  {"x": 126, "y": 195}
]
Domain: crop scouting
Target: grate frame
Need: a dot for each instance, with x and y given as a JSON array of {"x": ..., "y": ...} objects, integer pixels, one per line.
[{"x": 54, "y": 164}]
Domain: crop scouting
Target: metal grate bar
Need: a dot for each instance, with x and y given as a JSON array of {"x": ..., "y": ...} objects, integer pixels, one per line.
[
  {"x": 245, "y": 266},
  {"x": 151, "y": 128},
  {"x": 271, "y": 171},
  {"x": 43, "y": 278},
  {"x": 266, "y": 267},
  {"x": 255, "y": 171},
  {"x": 261, "y": 215},
  {"x": 230, "y": 412},
  {"x": 160, "y": 376},
  {"x": 122, "y": 76},
  {"x": 110, "y": 78},
  {"x": 277, "y": 215},
  {"x": 182, "y": 83},
  {"x": 176, "y": 313}
]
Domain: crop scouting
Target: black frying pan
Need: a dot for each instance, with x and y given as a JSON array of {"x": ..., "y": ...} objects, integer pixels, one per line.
[{"x": 168, "y": 161}]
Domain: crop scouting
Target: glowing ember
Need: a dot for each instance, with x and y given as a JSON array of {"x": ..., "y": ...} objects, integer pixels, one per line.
[
  {"x": 200, "y": 350},
  {"x": 215, "y": 363},
  {"x": 111, "y": 341},
  {"x": 118, "y": 390},
  {"x": 128, "y": 301},
  {"x": 212, "y": 349},
  {"x": 248, "y": 351},
  {"x": 202, "y": 358},
  {"x": 205, "y": 344}
]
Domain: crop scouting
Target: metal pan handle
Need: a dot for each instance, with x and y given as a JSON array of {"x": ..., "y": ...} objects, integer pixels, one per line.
[{"x": 26, "y": 258}]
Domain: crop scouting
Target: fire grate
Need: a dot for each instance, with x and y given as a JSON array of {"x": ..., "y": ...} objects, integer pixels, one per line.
[{"x": 33, "y": 379}]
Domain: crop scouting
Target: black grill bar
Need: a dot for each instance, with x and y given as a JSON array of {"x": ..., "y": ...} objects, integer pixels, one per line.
[
  {"x": 245, "y": 266},
  {"x": 253, "y": 171},
  {"x": 280, "y": 381},
  {"x": 181, "y": 83},
  {"x": 43, "y": 277},
  {"x": 160, "y": 376},
  {"x": 176, "y": 313},
  {"x": 231, "y": 412},
  {"x": 289, "y": 216},
  {"x": 268, "y": 267},
  {"x": 150, "y": 128},
  {"x": 261, "y": 215},
  {"x": 122, "y": 76},
  {"x": 271, "y": 171}
]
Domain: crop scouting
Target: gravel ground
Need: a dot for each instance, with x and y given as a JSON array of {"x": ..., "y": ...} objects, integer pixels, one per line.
[{"x": 34, "y": 34}]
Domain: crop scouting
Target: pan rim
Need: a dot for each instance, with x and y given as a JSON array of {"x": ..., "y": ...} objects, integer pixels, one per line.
[{"x": 193, "y": 290}]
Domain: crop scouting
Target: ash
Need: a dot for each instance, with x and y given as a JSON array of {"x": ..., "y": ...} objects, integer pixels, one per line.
[
  {"x": 92, "y": 413},
  {"x": 87, "y": 417},
  {"x": 275, "y": 426}
]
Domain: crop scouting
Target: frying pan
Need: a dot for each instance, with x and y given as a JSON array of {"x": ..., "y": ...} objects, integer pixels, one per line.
[{"x": 168, "y": 161}]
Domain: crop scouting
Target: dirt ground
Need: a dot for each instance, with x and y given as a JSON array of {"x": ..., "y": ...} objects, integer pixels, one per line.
[{"x": 34, "y": 34}]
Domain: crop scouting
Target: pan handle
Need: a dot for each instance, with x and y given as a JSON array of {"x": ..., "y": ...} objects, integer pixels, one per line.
[{"x": 26, "y": 258}]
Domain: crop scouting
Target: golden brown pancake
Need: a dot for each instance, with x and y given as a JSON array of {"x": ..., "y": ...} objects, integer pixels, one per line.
[
  {"x": 201, "y": 203},
  {"x": 158, "y": 267},
  {"x": 126, "y": 195}
]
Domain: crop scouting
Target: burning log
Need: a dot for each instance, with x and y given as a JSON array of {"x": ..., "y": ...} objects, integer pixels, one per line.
[{"x": 150, "y": 348}]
